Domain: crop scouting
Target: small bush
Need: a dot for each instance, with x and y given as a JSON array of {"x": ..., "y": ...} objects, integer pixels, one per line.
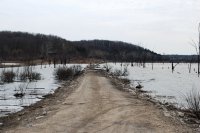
[
  {"x": 7, "y": 76},
  {"x": 193, "y": 102},
  {"x": 77, "y": 69},
  {"x": 35, "y": 76},
  {"x": 118, "y": 72},
  {"x": 125, "y": 71},
  {"x": 126, "y": 81},
  {"x": 63, "y": 73},
  {"x": 23, "y": 76},
  {"x": 29, "y": 74}
]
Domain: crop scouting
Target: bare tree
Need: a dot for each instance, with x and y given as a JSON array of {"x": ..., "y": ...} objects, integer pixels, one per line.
[
  {"x": 196, "y": 45},
  {"x": 199, "y": 51},
  {"x": 173, "y": 66}
]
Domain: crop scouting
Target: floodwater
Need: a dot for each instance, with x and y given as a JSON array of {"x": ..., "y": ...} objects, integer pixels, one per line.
[{"x": 161, "y": 82}]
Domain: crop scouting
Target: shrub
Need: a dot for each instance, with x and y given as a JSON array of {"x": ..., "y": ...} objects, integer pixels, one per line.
[
  {"x": 193, "y": 102},
  {"x": 23, "y": 76},
  {"x": 77, "y": 69},
  {"x": 125, "y": 71},
  {"x": 63, "y": 73},
  {"x": 29, "y": 74},
  {"x": 34, "y": 76},
  {"x": 119, "y": 72},
  {"x": 7, "y": 76},
  {"x": 126, "y": 81}
]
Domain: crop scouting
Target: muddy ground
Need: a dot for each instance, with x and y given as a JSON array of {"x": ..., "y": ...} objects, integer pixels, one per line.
[{"x": 91, "y": 103}]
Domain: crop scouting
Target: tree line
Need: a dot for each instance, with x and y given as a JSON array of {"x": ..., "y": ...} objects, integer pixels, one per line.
[{"x": 26, "y": 46}]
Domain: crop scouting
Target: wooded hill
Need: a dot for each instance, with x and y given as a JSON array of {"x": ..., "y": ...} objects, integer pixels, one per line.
[{"x": 26, "y": 46}]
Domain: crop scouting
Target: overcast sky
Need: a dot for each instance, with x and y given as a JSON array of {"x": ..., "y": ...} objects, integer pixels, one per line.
[{"x": 164, "y": 26}]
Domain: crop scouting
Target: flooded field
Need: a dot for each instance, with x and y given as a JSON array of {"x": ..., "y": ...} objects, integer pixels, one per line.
[
  {"x": 33, "y": 90},
  {"x": 160, "y": 82},
  {"x": 157, "y": 79}
]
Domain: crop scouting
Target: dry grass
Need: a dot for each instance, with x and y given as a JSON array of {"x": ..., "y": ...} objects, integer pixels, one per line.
[{"x": 193, "y": 102}]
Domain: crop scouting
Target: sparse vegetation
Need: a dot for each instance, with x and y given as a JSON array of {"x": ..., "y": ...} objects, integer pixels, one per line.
[
  {"x": 64, "y": 73},
  {"x": 126, "y": 81},
  {"x": 7, "y": 76},
  {"x": 193, "y": 102},
  {"x": 119, "y": 72},
  {"x": 125, "y": 71},
  {"x": 76, "y": 70},
  {"x": 29, "y": 74}
]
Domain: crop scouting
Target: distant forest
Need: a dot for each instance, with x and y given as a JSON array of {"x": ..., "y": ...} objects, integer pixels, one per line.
[{"x": 26, "y": 46}]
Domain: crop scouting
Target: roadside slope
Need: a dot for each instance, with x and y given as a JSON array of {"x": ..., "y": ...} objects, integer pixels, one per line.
[{"x": 98, "y": 107}]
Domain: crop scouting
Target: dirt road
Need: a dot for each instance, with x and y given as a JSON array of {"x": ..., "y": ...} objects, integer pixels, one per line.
[{"x": 96, "y": 106}]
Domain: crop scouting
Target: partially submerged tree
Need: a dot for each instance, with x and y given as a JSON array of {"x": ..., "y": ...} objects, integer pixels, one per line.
[
  {"x": 173, "y": 66},
  {"x": 196, "y": 45},
  {"x": 199, "y": 51}
]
